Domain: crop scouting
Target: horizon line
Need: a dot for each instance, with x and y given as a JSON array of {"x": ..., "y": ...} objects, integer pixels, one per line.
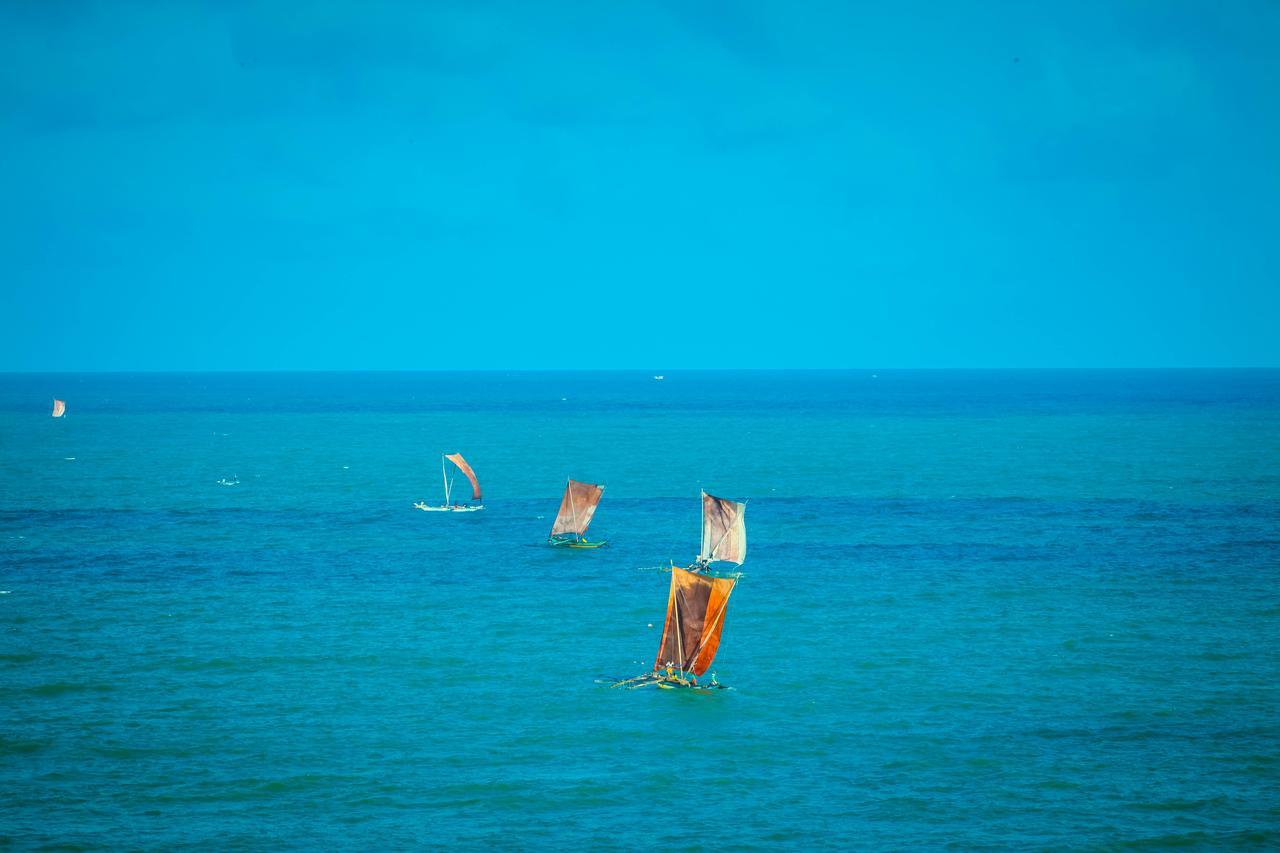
[{"x": 655, "y": 372}]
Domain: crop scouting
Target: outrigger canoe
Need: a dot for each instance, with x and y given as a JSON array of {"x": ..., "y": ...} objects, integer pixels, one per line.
[
  {"x": 577, "y": 508},
  {"x": 449, "y": 504},
  {"x": 697, "y": 601}
]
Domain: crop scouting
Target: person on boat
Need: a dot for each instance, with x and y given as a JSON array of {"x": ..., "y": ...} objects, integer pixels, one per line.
[
  {"x": 689, "y": 680},
  {"x": 714, "y": 683}
]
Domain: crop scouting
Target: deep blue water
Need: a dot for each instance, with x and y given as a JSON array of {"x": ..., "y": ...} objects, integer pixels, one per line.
[{"x": 994, "y": 608}]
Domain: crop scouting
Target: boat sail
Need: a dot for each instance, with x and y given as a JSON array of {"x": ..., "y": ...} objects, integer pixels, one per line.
[
  {"x": 59, "y": 408},
  {"x": 696, "y": 608},
  {"x": 577, "y": 508},
  {"x": 455, "y": 506},
  {"x": 724, "y": 531},
  {"x": 698, "y": 600}
]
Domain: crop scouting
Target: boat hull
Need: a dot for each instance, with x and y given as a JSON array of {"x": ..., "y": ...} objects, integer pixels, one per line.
[
  {"x": 576, "y": 544},
  {"x": 667, "y": 682},
  {"x": 426, "y": 508}
]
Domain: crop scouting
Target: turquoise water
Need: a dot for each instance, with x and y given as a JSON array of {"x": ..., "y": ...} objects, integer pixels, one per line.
[{"x": 1008, "y": 609}]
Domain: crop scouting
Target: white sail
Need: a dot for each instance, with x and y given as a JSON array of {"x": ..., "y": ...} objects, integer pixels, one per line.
[{"x": 724, "y": 530}]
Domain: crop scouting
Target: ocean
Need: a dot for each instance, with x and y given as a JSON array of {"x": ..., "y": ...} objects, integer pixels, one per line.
[{"x": 979, "y": 609}]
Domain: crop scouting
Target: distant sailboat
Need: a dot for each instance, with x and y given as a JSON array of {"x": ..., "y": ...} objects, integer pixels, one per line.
[
  {"x": 698, "y": 600},
  {"x": 724, "y": 532},
  {"x": 456, "y": 459},
  {"x": 577, "y": 508},
  {"x": 59, "y": 408}
]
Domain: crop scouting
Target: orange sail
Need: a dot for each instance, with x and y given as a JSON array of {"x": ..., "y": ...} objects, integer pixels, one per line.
[
  {"x": 695, "y": 617},
  {"x": 724, "y": 530},
  {"x": 577, "y": 508},
  {"x": 456, "y": 459},
  {"x": 59, "y": 408}
]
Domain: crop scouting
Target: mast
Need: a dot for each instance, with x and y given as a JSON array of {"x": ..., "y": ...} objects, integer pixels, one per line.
[
  {"x": 675, "y": 609},
  {"x": 444, "y": 474},
  {"x": 702, "y": 531}
]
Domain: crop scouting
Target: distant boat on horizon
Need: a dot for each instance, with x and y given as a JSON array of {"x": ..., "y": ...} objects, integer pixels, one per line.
[
  {"x": 59, "y": 407},
  {"x": 577, "y": 508},
  {"x": 456, "y": 459}
]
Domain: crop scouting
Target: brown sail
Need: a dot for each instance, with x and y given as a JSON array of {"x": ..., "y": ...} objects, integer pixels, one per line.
[
  {"x": 59, "y": 408},
  {"x": 576, "y": 508},
  {"x": 456, "y": 459},
  {"x": 695, "y": 616},
  {"x": 724, "y": 530}
]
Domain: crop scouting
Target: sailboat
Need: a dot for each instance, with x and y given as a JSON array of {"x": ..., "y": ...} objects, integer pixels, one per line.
[
  {"x": 59, "y": 408},
  {"x": 577, "y": 508},
  {"x": 698, "y": 600},
  {"x": 455, "y": 506}
]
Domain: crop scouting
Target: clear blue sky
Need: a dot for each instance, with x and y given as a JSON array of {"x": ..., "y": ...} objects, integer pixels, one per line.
[{"x": 418, "y": 185}]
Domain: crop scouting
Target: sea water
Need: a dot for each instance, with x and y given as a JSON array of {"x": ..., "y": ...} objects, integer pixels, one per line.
[{"x": 995, "y": 608}]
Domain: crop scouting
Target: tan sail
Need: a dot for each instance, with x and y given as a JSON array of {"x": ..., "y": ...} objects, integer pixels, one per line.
[
  {"x": 59, "y": 408},
  {"x": 577, "y": 508},
  {"x": 724, "y": 530},
  {"x": 695, "y": 617},
  {"x": 456, "y": 459}
]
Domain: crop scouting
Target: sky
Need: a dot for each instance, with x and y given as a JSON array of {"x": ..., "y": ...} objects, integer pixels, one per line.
[{"x": 476, "y": 185}]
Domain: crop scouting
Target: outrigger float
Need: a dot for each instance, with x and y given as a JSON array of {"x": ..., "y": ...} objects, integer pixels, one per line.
[
  {"x": 456, "y": 459},
  {"x": 697, "y": 601},
  {"x": 577, "y": 508}
]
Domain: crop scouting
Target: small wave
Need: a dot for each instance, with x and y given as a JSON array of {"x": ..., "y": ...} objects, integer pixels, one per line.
[
  {"x": 61, "y": 688},
  {"x": 114, "y": 751},
  {"x": 1177, "y": 805},
  {"x": 1224, "y": 656},
  {"x": 20, "y": 747}
]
